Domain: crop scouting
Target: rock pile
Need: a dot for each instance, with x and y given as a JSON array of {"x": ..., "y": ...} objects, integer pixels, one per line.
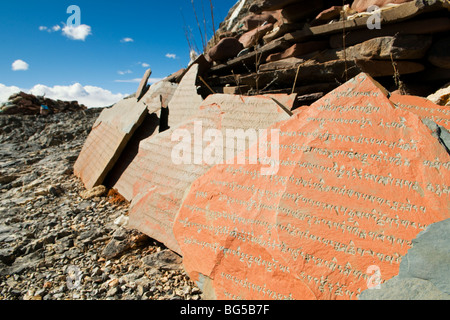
[
  {"x": 310, "y": 48},
  {"x": 28, "y": 104}
]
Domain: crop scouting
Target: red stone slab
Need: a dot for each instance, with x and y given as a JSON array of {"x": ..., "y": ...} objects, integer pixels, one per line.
[
  {"x": 424, "y": 108},
  {"x": 358, "y": 180},
  {"x": 158, "y": 193},
  {"x": 109, "y": 136}
]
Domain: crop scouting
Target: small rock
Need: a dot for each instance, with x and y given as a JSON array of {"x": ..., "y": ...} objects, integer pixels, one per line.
[
  {"x": 165, "y": 260},
  {"x": 93, "y": 193},
  {"x": 115, "y": 248},
  {"x": 121, "y": 221},
  {"x": 112, "y": 292}
]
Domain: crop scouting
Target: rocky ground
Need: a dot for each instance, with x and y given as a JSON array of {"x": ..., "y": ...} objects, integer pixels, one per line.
[{"x": 59, "y": 242}]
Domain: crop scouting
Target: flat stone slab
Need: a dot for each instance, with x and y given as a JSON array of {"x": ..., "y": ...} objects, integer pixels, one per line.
[
  {"x": 358, "y": 180},
  {"x": 185, "y": 101},
  {"x": 143, "y": 84},
  {"x": 125, "y": 174},
  {"x": 162, "y": 182},
  {"x": 109, "y": 136}
]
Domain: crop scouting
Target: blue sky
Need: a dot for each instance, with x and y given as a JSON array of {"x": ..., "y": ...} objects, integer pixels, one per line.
[{"x": 116, "y": 42}]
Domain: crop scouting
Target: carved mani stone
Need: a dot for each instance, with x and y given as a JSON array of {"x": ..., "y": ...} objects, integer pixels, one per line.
[
  {"x": 159, "y": 191},
  {"x": 108, "y": 138},
  {"x": 358, "y": 180}
]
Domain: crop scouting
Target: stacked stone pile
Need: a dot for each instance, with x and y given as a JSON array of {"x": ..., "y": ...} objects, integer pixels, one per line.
[
  {"x": 311, "y": 47},
  {"x": 28, "y": 104}
]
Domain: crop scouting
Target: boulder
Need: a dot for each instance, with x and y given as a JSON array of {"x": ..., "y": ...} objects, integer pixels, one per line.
[
  {"x": 399, "y": 47},
  {"x": 163, "y": 260},
  {"x": 252, "y": 38},
  {"x": 327, "y": 15},
  {"x": 254, "y": 21},
  {"x": 227, "y": 48},
  {"x": 299, "y": 49},
  {"x": 98, "y": 191}
]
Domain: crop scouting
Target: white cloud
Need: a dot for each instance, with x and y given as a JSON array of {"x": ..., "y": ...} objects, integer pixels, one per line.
[
  {"x": 55, "y": 28},
  {"x": 125, "y": 40},
  {"x": 145, "y": 65},
  {"x": 80, "y": 32},
  {"x": 20, "y": 65},
  {"x": 6, "y": 92},
  {"x": 124, "y": 72},
  {"x": 90, "y": 96},
  {"x": 171, "y": 56}
]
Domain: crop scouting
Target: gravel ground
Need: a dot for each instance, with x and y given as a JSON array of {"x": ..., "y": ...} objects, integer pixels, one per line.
[{"x": 59, "y": 242}]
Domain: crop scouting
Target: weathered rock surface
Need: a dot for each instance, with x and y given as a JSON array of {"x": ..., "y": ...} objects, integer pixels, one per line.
[
  {"x": 227, "y": 48},
  {"x": 401, "y": 47},
  {"x": 298, "y": 50},
  {"x": 251, "y": 38},
  {"x": 358, "y": 180}
]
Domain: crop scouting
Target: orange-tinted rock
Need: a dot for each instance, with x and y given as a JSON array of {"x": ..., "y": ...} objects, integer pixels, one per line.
[
  {"x": 254, "y": 21},
  {"x": 227, "y": 48},
  {"x": 358, "y": 180},
  {"x": 362, "y": 5},
  {"x": 424, "y": 108},
  {"x": 109, "y": 136},
  {"x": 252, "y": 37},
  {"x": 327, "y": 15},
  {"x": 299, "y": 49},
  {"x": 158, "y": 192}
]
